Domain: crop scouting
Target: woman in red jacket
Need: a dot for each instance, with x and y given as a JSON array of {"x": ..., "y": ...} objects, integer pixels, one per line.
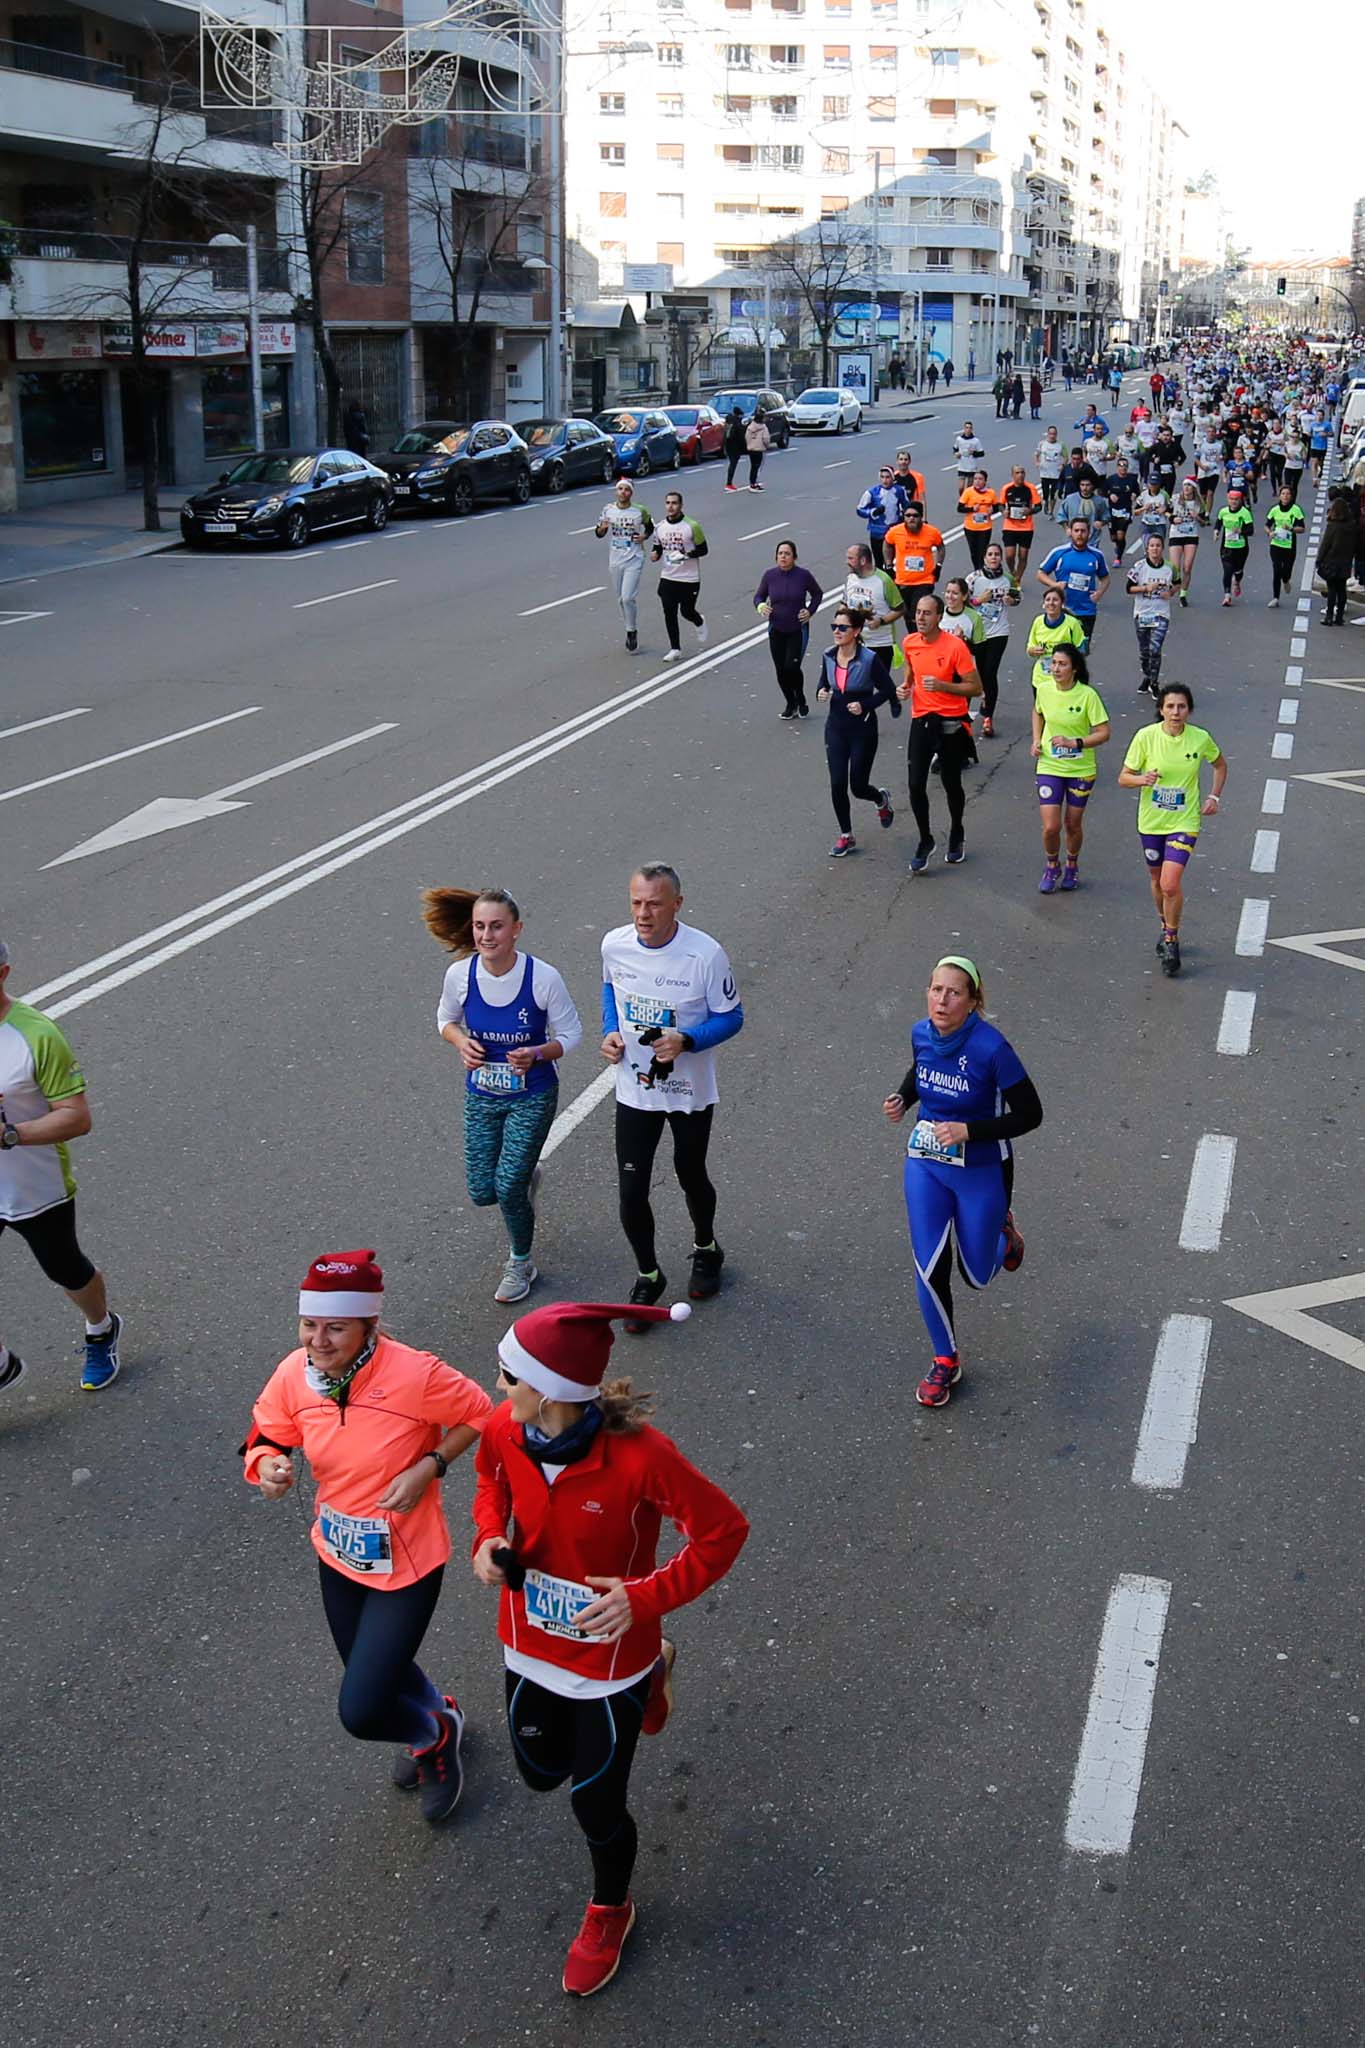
[
  {"x": 378, "y": 1423},
  {"x": 573, "y": 1485}
]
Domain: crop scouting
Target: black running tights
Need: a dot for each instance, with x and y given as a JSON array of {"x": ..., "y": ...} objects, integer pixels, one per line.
[
  {"x": 850, "y": 749},
  {"x": 385, "y": 1694},
  {"x": 638, "y": 1132},
  {"x": 592, "y": 1744},
  {"x": 953, "y": 747},
  {"x": 787, "y": 650},
  {"x": 989, "y": 653}
]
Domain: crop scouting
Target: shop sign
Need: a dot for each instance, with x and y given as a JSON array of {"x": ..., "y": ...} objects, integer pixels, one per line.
[
  {"x": 66, "y": 341},
  {"x": 276, "y": 337},
  {"x": 220, "y": 338},
  {"x": 160, "y": 342}
]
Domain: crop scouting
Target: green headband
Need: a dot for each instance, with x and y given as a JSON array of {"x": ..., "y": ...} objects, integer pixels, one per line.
[{"x": 960, "y": 960}]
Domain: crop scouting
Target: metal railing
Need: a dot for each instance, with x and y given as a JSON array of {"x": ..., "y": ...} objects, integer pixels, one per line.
[
  {"x": 227, "y": 123},
  {"x": 468, "y": 141},
  {"x": 226, "y": 266},
  {"x": 35, "y": 57}
]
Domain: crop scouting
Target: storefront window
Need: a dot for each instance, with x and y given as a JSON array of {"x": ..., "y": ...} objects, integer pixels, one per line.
[
  {"x": 227, "y": 408},
  {"x": 61, "y": 417}
]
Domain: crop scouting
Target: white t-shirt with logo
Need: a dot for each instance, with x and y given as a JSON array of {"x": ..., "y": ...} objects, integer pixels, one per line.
[
  {"x": 674, "y": 987},
  {"x": 1152, "y": 599},
  {"x": 1051, "y": 456},
  {"x": 627, "y": 527},
  {"x": 969, "y": 452}
]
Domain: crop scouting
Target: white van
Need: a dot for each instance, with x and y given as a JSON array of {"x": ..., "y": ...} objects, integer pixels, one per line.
[{"x": 1351, "y": 412}]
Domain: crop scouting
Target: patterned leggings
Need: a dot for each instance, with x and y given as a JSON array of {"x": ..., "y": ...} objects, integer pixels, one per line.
[{"x": 503, "y": 1136}]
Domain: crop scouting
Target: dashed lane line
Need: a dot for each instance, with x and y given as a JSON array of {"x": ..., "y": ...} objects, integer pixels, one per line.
[
  {"x": 169, "y": 739},
  {"x": 1170, "y": 1420},
  {"x": 594, "y": 590},
  {"x": 53, "y": 718},
  {"x": 1252, "y": 927},
  {"x": 1239, "y": 1015},
  {"x": 1108, "y": 1777},
  {"x": 1208, "y": 1193},
  {"x": 332, "y": 596}
]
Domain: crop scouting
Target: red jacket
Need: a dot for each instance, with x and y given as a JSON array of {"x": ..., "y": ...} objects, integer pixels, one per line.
[{"x": 601, "y": 1518}]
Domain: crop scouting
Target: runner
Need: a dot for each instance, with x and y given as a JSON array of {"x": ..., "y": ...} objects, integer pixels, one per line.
[
  {"x": 911, "y": 480},
  {"x": 1319, "y": 435},
  {"x": 942, "y": 677},
  {"x": 1295, "y": 456},
  {"x": 968, "y": 452},
  {"x": 629, "y": 526},
  {"x": 1236, "y": 523},
  {"x": 1208, "y": 465},
  {"x": 915, "y": 552},
  {"x": 977, "y": 504},
  {"x": 1152, "y": 509},
  {"x": 43, "y": 1107},
  {"x": 1053, "y": 628},
  {"x": 974, "y": 1099},
  {"x": 1163, "y": 761},
  {"x": 853, "y": 683},
  {"x": 788, "y": 598},
  {"x": 870, "y": 590},
  {"x": 573, "y": 1487},
  {"x": 379, "y": 1424},
  {"x": 881, "y": 505},
  {"x": 1123, "y": 490},
  {"x": 1284, "y": 522},
  {"x": 1089, "y": 504},
  {"x": 1081, "y": 573},
  {"x": 668, "y": 1000},
  {"x": 993, "y": 593},
  {"x": 679, "y": 545},
  {"x": 1049, "y": 455},
  {"x": 1186, "y": 520},
  {"x": 511, "y": 1020},
  {"x": 1019, "y": 502},
  {"x": 1150, "y": 584},
  {"x": 1069, "y": 722}
]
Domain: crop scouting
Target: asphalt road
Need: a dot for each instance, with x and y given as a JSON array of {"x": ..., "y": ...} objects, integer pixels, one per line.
[{"x": 892, "y": 1804}]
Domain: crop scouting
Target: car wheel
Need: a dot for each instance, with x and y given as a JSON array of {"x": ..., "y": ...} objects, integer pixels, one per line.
[
  {"x": 858, "y": 424},
  {"x": 839, "y": 425},
  {"x": 377, "y": 517},
  {"x": 521, "y": 489},
  {"x": 554, "y": 479},
  {"x": 676, "y": 463},
  {"x": 296, "y": 530},
  {"x": 642, "y": 466},
  {"x": 608, "y": 469},
  {"x": 462, "y": 497}
]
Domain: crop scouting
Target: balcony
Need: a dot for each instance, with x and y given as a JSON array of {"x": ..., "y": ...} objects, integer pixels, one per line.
[
  {"x": 468, "y": 140},
  {"x": 61, "y": 275},
  {"x": 83, "y": 108}
]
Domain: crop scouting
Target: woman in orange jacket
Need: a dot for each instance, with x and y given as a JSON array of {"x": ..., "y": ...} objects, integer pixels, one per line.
[
  {"x": 379, "y": 1423},
  {"x": 573, "y": 1488}
]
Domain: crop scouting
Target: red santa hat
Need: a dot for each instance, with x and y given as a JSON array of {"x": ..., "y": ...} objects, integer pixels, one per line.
[
  {"x": 342, "y": 1284},
  {"x": 562, "y": 1349}
]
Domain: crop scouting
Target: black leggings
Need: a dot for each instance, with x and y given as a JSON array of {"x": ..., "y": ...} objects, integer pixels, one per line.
[
  {"x": 51, "y": 1238},
  {"x": 592, "y": 1743},
  {"x": 1281, "y": 569},
  {"x": 385, "y": 1695},
  {"x": 675, "y": 598},
  {"x": 786, "y": 650},
  {"x": 1049, "y": 485},
  {"x": 989, "y": 654},
  {"x": 850, "y": 749},
  {"x": 929, "y": 736},
  {"x": 977, "y": 544},
  {"x": 1234, "y": 565},
  {"x": 638, "y": 1132},
  {"x": 755, "y": 464},
  {"x": 1335, "y": 613}
]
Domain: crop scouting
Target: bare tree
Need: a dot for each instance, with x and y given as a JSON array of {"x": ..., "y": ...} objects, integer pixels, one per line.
[
  {"x": 322, "y": 228},
  {"x": 824, "y": 266}
]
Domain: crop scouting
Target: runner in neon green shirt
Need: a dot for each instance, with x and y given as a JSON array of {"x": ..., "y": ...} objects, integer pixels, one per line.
[
  {"x": 1069, "y": 722},
  {"x": 1164, "y": 762},
  {"x": 1054, "y": 627}
]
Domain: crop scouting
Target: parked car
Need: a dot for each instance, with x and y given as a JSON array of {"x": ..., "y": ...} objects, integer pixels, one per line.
[
  {"x": 443, "y": 465},
  {"x": 288, "y": 495},
  {"x": 700, "y": 430},
  {"x": 823, "y": 410},
  {"x": 770, "y": 406},
  {"x": 568, "y": 452},
  {"x": 645, "y": 439}
]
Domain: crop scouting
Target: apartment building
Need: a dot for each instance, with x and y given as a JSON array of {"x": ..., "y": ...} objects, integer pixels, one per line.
[{"x": 1317, "y": 292}]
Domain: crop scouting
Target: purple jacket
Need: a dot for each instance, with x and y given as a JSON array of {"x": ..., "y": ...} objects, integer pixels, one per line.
[{"x": 788, "y": 591}]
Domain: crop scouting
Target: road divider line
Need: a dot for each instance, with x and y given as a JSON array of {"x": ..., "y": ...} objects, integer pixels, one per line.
[
  {"x": 1113, "y": 1751},
  {"x": 595, "y": 590},
  {"x": 359, "y": 591},
  {"x": 169, "y": 739},
  {"x": 1208, "y": 1194},
  {"x": 1239, "y": 1013},
  {"x": 1297, "y": 649},
  {"x": 847, "y": 463},
  {"x": 353, "y": 739},
  {"x": 1292, "y": 678},
  {"x": 759, "y": 532},
  {"x": 12, "y": 732},
  {"x": 582, "y": 1106},
  {"x": 1272, "y": 798},
  {"x": 1288, "y": 713},
  {"x": 1170, "y": 1420},
  {"x": 1282, "y": 747},
  {"x": 1252, "y": 927},
  {"x": 1265, "y": 853},
  {"x": 574, "y": 531}
]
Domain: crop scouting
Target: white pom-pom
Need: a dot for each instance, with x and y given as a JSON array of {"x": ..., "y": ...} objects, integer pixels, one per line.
[{"x": 680, "y": 1311}]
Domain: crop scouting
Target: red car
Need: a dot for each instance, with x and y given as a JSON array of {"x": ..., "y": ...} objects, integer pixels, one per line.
[{"x": 701, "y": 432}]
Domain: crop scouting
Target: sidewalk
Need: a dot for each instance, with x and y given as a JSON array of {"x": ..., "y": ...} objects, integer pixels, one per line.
[{"x": 60, "y": 537}]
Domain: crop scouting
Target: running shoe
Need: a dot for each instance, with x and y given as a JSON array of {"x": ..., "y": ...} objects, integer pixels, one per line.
[
  {"x": 673, "y": 654},
  {"x": 13, "y": 1371},
  {"x": 788, "y": 711},
  {"x": 919, "y": 859},
  {"x": 1049, "y": 879},
  {"x": 1272, "y": 604},
  {"x": 732, "y": 487},
  {"x": 1170, "y": 956},
  {"x": 803, "y": 708},
  {"x": 1226, "y": 602},
  {"x": 885, "y": 814},
  {"x": 957, "y": 850},
  {"x": 632, "y": 643},
  {"x": 1184, "y": 599},
  {"x": 644, "y": 1294},
  {"x": 518, "y": 1278},
  {"x": 703, "y": 634},
  {"x": 405, "y": 1774},
  {"x": 1237, "y": 586},
  {"x": 101, "y": 1359},
  {"x": 440, "y": 1773},
  {"x": 1014, "y": 1244},
  {"x": 758, "y": 487},
  {"x": 988, "y": 728},
  {"x": 706, "y": 1265},
  {"x": 935, "y": 1388},
  {"x": 659, "y": 1701},
  {"x": 1070, "y": 878},
  {"x": 595, "y": 1955},
  {"x": 845, "y": 843}
]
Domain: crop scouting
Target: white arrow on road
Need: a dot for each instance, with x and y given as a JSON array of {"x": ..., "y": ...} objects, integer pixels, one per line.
[
  {"x": 165, "y": 813},
  {"x": 1286, "y": 1310},
  {"x": 1320, "y": 946},
  {"x": 1339, "y": 778}
]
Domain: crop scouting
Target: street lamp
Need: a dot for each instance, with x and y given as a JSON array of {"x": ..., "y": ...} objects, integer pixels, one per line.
[{"x": 225, "y": 241}]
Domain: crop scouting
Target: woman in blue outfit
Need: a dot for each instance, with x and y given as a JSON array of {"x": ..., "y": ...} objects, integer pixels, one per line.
[
  {"x": 853, "y": 683},
  {"x": 974, "y": 1098}
]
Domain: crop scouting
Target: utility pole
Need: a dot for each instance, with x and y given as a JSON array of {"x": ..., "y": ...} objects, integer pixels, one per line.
[
  {"x": 253, "y": 307},
  {"x": 767, "y": 331},
  {"x": 874, "y": 324}
]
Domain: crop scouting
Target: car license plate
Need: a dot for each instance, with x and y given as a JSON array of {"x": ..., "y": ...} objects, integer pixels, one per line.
[
  {"x": 219, "y": 526},
  {"x": 402, "y": 490}
]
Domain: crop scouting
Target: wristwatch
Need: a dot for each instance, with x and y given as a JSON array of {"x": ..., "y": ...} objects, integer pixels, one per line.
[
  {"x": 442, "y": 1464},
  {"x": 9, "y": 1136}
]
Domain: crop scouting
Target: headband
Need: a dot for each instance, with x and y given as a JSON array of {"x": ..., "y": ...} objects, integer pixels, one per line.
[{"x": 960, "y": 960}]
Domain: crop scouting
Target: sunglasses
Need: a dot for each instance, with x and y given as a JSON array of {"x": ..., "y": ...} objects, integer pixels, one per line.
[
  {"x": 509, "y": 1378},
  {"x": 843, "y": 625}
]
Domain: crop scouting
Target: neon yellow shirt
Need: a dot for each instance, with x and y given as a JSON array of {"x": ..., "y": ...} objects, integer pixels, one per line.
[
  {"x": 1067, "y": 716},
  {"x": 1171, "y": 805},
  {"x": 1068, "y": 632}
]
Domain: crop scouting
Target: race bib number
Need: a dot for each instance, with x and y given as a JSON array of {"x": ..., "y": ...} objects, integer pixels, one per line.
[
  {"x": 1168, "y": 799},
  {"x": 495, "y": 1077},
  {"x": 644, "y": 1011},
  {"x": 915, "y": 562},
  {"x": 922, "y": 1144},
  {"x": 1078, "y": 579},
  {"x": 552, "y": 1604},
  {"x": 1064, "y": 749},
  {"x": 1149, "y": 615},
  {"x": 361, "y": 1542}
]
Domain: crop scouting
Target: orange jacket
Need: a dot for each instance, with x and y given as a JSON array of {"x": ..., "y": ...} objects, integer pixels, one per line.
[
  {"x": 977, "y": 509},
  {"x": 399, "y": 1405}
]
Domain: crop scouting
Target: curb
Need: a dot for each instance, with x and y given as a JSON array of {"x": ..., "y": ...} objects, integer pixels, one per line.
[{"x": 159, "y": 547}]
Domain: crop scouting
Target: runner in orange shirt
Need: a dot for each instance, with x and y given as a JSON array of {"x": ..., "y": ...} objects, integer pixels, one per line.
[
  {"x": 942, "y": 677},
  {"x": 914, "y": 554},
  {"x": 977, "y": 503},
  {"x": 911, "y": 480},
  {"x": 1019, "y": 501}
]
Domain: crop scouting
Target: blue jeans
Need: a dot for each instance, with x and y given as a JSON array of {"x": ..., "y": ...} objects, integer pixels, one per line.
[{"x": 503, "y": 1138}]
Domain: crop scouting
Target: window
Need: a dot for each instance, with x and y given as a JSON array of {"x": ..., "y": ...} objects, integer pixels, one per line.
[
  {"x": 738, "y": 103},
  {"x": 670, "y": 205},
  {"x": 670, "y": 53},
  {"x": 882, "y": 159},
  {"x": 669, "y": 152},
  {"x": 946, "y": 159},
  {"x": 611, "y": 103},
  {"x": 670, "y": 105},
  {"x": 783, "y": 106},
  {"x": 739, "y": 56},
  {"x": 736, "y": 152},
  {"x": 530, "y": 236},
  {"x": 943, "y": 110},
  {"x": 365, "y": 237},
  {"x": 835, "y": 161},
  {"x": 886, "y": 10},
  {"x": 786, "y": 56},
  {"x": 881, "y": 107},
  {"x": 938, "y": 259},
  {"x": 612, "y": 152},
  {"x": 882, "y": 56},
  {"x": 669, "y": 252},
  {"x": 837, "y": 57},
  {"x": 611, "y": 205},
  {"x": 788, "y": 6},
  {"x": 61, "y": 417},
  {"x": 739, "y": 259},
  {"x": 946, "y": 60},
  {"x": 360, "y": 71},
  {"x": 738, "y": 6},
  {"x": 781, "y": 156},
  {"x": 835, "y": 107},
  {"x": 832, "y": 203},
  {"x": 840, "y": 7}
]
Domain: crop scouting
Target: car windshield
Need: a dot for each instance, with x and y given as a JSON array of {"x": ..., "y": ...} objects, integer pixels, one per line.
[
  {"x": 619, "y": 422},
  {"x": 726, "y": 401},
  {"x": 683, "y": 415},
  {"x": 416, "y": 441},
  {"x": 454, "y": 441},
  {"x": 541, "y": 433},
  {"x": 818, "y": 398},
  {"x": 273, "y": 469}
]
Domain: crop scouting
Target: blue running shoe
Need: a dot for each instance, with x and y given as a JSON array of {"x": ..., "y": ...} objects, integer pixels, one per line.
[
  {"x": 1050, "y": 879},
  {"x": 919, "y": 859},
  {"x": 101, "y": 1360}
]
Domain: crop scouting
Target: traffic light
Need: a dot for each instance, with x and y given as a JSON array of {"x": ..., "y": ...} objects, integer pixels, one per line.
[{"x": 1281, "y": 286}]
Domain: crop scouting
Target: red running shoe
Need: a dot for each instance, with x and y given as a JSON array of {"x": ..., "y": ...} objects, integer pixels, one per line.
[
  {"x": 595, "y": 1956},
  {"x": 1014, "y": 1244},
  {"x": 659, "y": 1703},
  {"x": 934, "y": 1389}
]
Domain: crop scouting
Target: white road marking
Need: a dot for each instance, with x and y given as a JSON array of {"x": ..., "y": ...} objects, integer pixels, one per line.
[
  {"x": 1319, "y": 946},
  {"x": 359, "y": 591},
  {"x": 408, "y": 533},
  {"x": 781, "y": 526},
  {"x": 1007, "y": 446},
  {"x": 1288, "y": 713},
  {"x": 1108, "y": 1779},
  {"x": 1285, "y": 1309},
  {"x": 1239, "y": 1013},
  {"x": 1208, "y": 1194},
  {"x": 582, "y": 1106},
  {"x": 1252, "y": 927},
  {"x": 54, "y": 718},
  {"x": 369, "y": 539},
  {"x": 574, "y": 532},
  {"x": 21, "y": 618},
  {"x": 1272, "y": 798},
  {"x": 126, "y": 753},
  {"x": 1305, "y": 604},
  {"x": 1265, "y": 853},
  {"x": 1297, "y": 649},
  {"x": 1338, "y": 778},
  {"x": 555, "y": 602},
  {"x": 1356, "y": 683},
  {"x": 1170, "y": 1420},
  {"x": 1292, "y": 678},
  {"x": 846, "y": 464},
  {"x": 1282, "y": 747}
]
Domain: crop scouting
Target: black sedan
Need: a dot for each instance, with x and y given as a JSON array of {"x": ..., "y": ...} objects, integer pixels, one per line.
[
  {"x": 288, "y": 495},
  {"x": 567, "y": 452},
  {"x": 441, "y": 465}
]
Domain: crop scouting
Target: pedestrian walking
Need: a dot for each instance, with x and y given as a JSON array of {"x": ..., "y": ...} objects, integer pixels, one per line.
[
  {"x": 1035, "y": 397},
  {"x": 1336, "y": 554},
  {"x": 357, "y": 429},
  {"x": 948, "y": 373},
  {"x": 998, "y": 390},
  {"x": 734, "y": 447},
  {"x": 971, "y": 365},
  {"x": 931, "y": 377},
  {"x": 757, "y": 442},
  {"x": 679, "y": 545},
  {"x": 788, "y": 597}
]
